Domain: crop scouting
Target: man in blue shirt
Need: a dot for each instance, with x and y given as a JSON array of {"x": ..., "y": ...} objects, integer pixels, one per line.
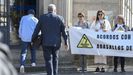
[
  {"x": 26, "y": 29},
  {"x": 51, "y": 27}
]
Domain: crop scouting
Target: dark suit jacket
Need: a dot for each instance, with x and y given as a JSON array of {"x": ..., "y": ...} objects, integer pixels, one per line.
[{"x": 51, "y": 27}]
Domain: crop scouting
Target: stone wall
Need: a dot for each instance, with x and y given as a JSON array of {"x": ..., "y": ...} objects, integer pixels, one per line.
[
  {"x": 94, "y": 5},
  {"x": 69, "y": 10}
]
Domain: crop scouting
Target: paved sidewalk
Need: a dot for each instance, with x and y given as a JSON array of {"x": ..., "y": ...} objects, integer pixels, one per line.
[
  {"x": 128, "y": 68},
  {"x": 109, "y": 71},
  {"x": 88, "y": 73}
]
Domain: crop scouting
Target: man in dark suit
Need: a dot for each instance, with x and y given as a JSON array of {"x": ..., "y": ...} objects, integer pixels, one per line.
[{"x": 51, "y": 27}]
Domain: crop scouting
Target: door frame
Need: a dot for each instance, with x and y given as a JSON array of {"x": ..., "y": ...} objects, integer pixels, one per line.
[{"x": 19, "y": 45}]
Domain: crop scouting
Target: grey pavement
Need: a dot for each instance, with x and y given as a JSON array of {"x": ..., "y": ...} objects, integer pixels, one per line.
[
  {"x": 88, "y": 73},
  {"x": 67, "y": 68},
  {"x": 109, "y": 71}
]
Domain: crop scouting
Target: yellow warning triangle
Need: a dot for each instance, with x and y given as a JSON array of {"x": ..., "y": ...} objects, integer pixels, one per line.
[
  {"x": 120, "y": 29},
  {"x": 84, "y": 42}
]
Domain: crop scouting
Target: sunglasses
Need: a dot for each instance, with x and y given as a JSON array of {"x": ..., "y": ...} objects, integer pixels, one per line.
[{"x": 100, "y": 14}]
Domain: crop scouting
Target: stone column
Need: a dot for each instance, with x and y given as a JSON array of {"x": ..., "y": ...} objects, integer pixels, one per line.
[
  {"x": 43, "y": 5},
  {"x": 64, "y": 8},
  {"x": 69, "y": 12},
  {"x": 40, "y": 7}
]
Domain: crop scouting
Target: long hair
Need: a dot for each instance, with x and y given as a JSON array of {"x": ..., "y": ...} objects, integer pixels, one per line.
[{"x": 97, "y": 19}]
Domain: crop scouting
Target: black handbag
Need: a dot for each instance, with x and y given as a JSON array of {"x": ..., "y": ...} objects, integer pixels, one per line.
[{"x": 37, "y": 41}]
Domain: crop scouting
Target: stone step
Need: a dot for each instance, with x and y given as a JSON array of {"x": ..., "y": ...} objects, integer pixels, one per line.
[
  {"x": 70, "y": 69},
  {"x": 41, "y": 68}
]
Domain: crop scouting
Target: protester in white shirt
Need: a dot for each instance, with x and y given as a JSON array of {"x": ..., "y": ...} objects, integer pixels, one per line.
[{"x": 101, "y": 24}]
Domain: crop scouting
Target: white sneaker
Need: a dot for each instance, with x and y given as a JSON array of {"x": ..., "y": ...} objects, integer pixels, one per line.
[
  {"x": 22, "y": 69},
  {"x": 33, "y": 64}
]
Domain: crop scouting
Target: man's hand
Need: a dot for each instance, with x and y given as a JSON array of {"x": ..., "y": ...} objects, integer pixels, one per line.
[
  {"x": 66, "y": 47},
  {"x": 104, "y": 30},
  {"x": 96, "y": 30}
]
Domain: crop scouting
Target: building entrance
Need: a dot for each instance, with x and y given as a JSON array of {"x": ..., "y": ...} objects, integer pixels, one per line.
[
  {"x": 4, "y": 20},
  {"x": 18, "y": 9}
]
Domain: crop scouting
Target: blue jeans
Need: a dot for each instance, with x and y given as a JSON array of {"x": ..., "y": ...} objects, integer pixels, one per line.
[
  {"x": 25, "y": 46},
  {"x": 51, "y": 59}
]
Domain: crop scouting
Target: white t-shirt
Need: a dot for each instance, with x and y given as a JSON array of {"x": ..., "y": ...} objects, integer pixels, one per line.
[{"x": 97, "y": 25}]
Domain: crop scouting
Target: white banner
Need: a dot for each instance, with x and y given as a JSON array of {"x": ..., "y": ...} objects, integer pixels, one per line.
[{"x": 90, "y": 42}]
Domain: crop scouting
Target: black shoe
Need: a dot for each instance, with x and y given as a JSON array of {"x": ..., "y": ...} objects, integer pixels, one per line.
[
  {"x": 97, "y": 69},
  {"x": 115, "y": 70},
  {"x": 102, "y": 69},
  {"x": 80, "y": 69},
  {"x": 83, "y": 70},
  {"x": 123, "y": 70}
]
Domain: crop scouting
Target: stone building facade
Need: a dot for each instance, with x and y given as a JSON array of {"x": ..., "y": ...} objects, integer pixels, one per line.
[{"x": 70, "y": 8}]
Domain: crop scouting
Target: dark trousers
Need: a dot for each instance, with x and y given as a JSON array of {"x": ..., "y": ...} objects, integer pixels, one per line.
[
  {"x": 25, "y": 46},
  {"x": 51, "y": 59},
  {"x": 122, "y": 62}
]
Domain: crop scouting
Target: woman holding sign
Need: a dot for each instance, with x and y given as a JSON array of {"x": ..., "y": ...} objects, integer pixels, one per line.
[
  {"x": 120, "y": 26},
  {"x": 81, "y": 59},
  {"x": 100, "y": 24}
]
